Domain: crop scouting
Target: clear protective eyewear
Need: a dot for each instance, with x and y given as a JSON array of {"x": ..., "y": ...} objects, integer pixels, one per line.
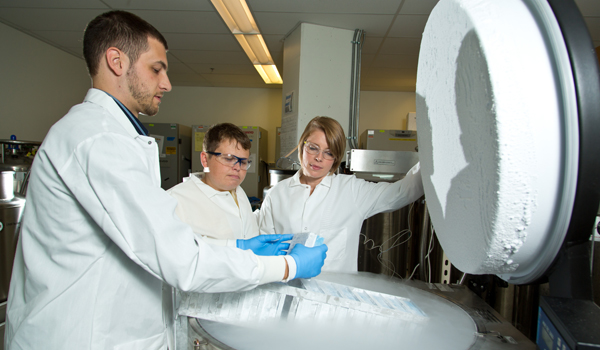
[
  {"x": 230, "y": 160},
  {"x": 314, "y": 149}
]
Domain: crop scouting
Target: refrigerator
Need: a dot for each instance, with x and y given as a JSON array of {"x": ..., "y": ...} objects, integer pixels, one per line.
[
  {"x": 257, "y": 177},
  {"x": 174, "y": 148},
  {"x": 198, "y": 132}
]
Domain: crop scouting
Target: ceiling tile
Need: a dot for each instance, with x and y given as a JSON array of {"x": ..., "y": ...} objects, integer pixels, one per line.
[
  {"x": 283, "y": 23},
  {"x": 215, "y": 68},
  {"x": 77, "y": 52},
  {"x": 418, "y": 7},
  {"x": 49, "y": 19},
  {"x": 330, "y": 6},
  {"x": 233, "y": 78},
  {"x": 176, "y": 67},
  {"x": 63, "y": 4},
  {"x": 274, "y": 42},
  {"x": 184, "y": 21},
  {"x": 62, "y": 38},
  {"x": 202, "y": 42},
  {"x": 408, "y": 26},
  {"x": 181, "y": 5},
  {"x": 224, "y": 57},
  {"x": 199, "y": 40}
]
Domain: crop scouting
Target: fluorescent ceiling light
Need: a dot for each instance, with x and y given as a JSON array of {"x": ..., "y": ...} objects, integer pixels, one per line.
[
  {"x": 255, "y": 47},
  {"x": 269, "y": 73},
  {"x": 238, "y": 18}
]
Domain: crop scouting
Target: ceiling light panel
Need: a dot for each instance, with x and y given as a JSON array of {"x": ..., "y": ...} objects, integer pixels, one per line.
[{"x": 238, "y": 18}]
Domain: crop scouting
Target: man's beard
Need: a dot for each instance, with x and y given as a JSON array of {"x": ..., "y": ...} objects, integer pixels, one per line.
[{"x": 143, "y": 98}]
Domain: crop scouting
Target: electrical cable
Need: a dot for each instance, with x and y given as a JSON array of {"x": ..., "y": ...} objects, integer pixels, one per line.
[
  {"x": 395, "y": 243},
  {"x": 423, "y": 242},
  {"x": 462, "y": 279},
  {"x": 413, "y": 272},
  {"x": 429, "y": 250}
]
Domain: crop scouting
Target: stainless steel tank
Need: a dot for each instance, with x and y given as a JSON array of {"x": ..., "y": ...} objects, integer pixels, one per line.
[
  {"x": 16, "y": 157},
  {"x": 276, "y": 175},
  {"x": 11, "y": 208}
]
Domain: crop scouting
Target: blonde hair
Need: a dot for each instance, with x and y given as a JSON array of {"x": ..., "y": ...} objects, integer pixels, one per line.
[{"x": 334, "y": 134}]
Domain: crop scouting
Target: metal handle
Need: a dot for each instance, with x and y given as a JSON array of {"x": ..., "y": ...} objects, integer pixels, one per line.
[{"x": 200, "y": 345}]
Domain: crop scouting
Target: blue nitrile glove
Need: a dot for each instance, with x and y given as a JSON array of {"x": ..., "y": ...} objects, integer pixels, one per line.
[
  {"x": 266, "y": 244},
  {"x": 309, "y": 261}
]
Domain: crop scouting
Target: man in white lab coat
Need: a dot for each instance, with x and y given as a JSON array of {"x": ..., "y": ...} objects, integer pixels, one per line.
[{"x": 99, "y": 236}]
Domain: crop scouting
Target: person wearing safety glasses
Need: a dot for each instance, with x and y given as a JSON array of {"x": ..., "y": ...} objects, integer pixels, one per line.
[
  {"x": 214, "y": 204},
  {"x": 332, "y": 206}
]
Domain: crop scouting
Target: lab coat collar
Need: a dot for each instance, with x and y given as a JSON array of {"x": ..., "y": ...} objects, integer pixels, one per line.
[
  {"x": 327, "y": 180},
  {"x": 101, "y": 98},
  {"x": 206, "y": 189}
]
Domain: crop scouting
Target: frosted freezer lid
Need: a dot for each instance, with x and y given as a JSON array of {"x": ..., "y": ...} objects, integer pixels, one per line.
[{"x": 498, "y": 134}]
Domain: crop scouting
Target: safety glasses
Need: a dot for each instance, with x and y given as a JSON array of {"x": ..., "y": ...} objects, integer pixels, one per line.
[
  {"x": 230, "y": 160},
  {"x": 314, "y": 149}
]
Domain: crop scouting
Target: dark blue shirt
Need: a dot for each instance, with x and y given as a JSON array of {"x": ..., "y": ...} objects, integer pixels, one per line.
[{"x": 139, "y": 127}]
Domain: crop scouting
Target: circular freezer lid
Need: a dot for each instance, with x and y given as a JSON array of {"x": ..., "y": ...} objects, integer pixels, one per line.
[{"x": 498, "y": 135}]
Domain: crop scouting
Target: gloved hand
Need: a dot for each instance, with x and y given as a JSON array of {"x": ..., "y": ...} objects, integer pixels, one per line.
[
  {"x": 266, "y": 244},
  {"x": 309, "y": 261}
]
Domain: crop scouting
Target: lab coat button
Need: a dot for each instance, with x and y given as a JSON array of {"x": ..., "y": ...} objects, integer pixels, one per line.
[{"x": 149, "y": 142}]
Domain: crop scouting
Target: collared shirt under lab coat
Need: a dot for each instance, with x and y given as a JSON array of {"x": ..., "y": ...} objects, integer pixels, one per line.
[
  {"x": 99, "y": 236},
  {"x": 214, "y": 214},
  {"x": 335, "y": 210}
]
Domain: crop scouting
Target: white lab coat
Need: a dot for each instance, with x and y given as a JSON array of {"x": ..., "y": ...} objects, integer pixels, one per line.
[
  {"x": 99, "y": 236},
  {"x": 335, "y": 210},
  {"x": 214, "y": 214}
]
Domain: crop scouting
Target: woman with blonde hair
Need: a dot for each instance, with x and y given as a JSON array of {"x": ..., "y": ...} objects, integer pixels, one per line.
[{"x": 332, "y": 206}]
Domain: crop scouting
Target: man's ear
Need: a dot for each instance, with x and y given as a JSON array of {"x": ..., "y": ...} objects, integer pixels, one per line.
[
  {"x": 116, "y": 60},
  {"x": 204, "y": 159}
]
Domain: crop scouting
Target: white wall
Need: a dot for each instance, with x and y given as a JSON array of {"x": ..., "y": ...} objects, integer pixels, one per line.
[
  {"x": 385, "y": 109},
  {"x": 207, "y": 106},
  {"x": 38, "y": 85}
]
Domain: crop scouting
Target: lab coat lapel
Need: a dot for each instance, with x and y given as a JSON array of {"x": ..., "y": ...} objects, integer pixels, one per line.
[{"x": 147, "y": 143}]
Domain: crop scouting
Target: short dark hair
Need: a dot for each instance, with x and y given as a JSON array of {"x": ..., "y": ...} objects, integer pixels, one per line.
[
  {"x": 225, "y": 131},
  {"x": 123, "y": 30}
]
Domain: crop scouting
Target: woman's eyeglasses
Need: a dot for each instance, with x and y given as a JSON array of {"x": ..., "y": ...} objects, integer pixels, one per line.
[
  {"x": 230, "y": 160},
  {"x": 314, "y": 149}
]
